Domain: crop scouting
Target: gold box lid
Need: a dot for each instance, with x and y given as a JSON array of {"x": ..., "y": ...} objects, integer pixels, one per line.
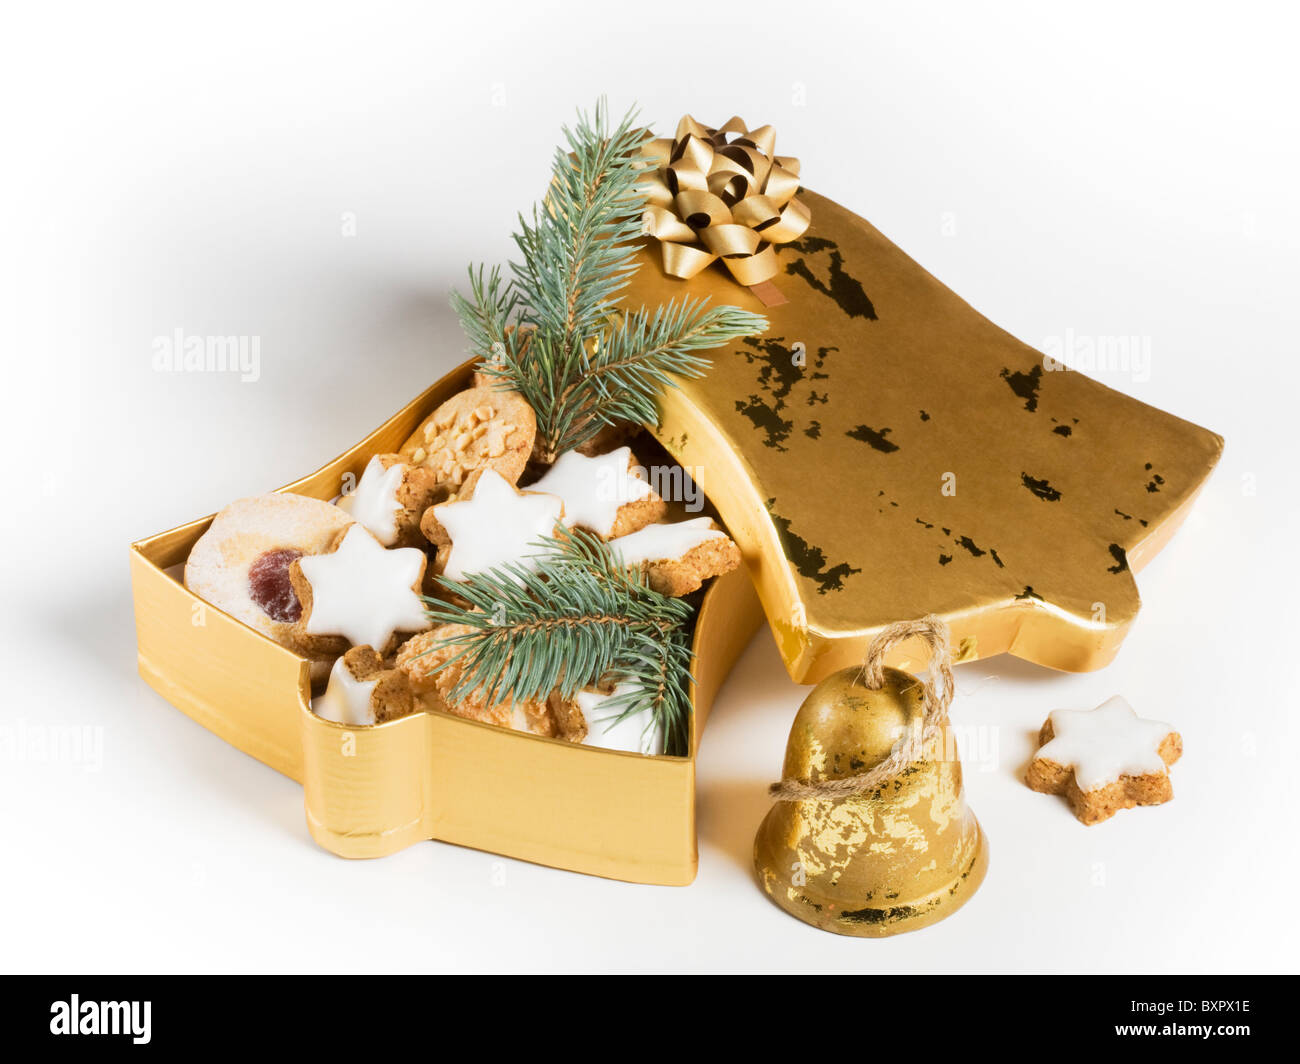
[{"x": 885, "y": 451}]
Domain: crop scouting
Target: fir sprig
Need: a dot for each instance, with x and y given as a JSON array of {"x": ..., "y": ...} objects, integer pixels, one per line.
[
  {"x": 577, "y": 619},
  {"x": 577, "y": 247},
  {"x": 554, "y": 332},
  {"x": 488, "y": 314},
  {"x": 636, "y": 360}
]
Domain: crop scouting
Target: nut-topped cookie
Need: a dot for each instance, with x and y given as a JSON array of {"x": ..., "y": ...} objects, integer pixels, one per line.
[
  {"x": 427, "y": 660},
  {"x": 475, "y": 430}
]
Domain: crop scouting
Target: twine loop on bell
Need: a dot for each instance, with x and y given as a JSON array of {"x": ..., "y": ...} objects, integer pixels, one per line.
[{"x": 938, "y": 693}]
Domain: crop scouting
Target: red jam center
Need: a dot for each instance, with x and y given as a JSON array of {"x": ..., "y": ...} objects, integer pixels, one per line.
[{"x": 269, "y": 586}]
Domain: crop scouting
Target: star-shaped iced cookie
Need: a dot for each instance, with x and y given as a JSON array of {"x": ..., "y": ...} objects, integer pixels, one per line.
[
  {"x": 362, "y": 691},
  {"x": 1104, "y": 759},
  {"x": 602, "y": 493},
  {"x": 361, "y": 592},
  {"x": 613, "y": 728},
  {"x": 390, "y": 497},
  {"x": 677, "y": 558},
  {"x": 499, "y": 524}
]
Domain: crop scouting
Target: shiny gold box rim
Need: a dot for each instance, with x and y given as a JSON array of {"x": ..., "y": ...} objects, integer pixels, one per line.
[{"x": 372, "y": 791}]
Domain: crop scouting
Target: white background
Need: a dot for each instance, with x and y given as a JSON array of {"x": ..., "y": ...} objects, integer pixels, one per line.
[{"x": 1115, "y": 170}]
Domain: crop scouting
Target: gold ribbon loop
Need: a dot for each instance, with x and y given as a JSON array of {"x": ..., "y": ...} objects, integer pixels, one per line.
[
  {"x": 757, "y": 212},
  {"x": 730, "y": 240},
  {"x": 700, "y": 210},
  {"x": 791, "y": 224},
  {"x": 721, "y": 194}
]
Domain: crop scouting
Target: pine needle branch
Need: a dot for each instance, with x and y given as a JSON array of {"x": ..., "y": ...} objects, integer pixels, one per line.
[
  {"x": 554, "y": 333},
  {"x": 578, "y": 245},
  {"x": 580, "y": 618},
  {"x": 638, "y": 360},
  {"x": 577, "y": 371},
  {"x": 488, "y": 314}
]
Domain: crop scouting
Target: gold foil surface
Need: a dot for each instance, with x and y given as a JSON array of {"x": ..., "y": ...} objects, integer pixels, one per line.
[
  {"x": 890, "y": 860},
  {"x": 884, "y": 451}
]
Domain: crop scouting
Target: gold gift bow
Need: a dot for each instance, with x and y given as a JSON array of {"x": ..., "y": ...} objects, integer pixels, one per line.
[{"x": 709, "y": 198}]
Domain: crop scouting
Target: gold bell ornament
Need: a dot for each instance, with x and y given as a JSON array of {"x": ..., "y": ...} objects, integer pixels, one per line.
[{"x": 871, "y": 834}]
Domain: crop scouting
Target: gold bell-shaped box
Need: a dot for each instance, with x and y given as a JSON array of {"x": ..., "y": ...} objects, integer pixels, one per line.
[{"x": 871, "y": 834}]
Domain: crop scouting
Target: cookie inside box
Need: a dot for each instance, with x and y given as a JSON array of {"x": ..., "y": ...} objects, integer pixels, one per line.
[{"x": 370, "y": 791}]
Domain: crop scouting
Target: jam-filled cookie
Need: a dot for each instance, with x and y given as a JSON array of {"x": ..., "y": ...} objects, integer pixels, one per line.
[{"x": 241, "y": 563}]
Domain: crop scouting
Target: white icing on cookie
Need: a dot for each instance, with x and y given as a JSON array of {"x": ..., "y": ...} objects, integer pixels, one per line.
[
  {"x": 363, "y": 592},
  {"x": 373, "y": 502},
  {"x": 661, "y": 543},
  {"x": 497, "y": 525},
  {"x": 346, "y": 700},
  {"x": 636, "y": 733},
  {"x": 593, "y": 489},
  {"x": 1105, "y": 743}
]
